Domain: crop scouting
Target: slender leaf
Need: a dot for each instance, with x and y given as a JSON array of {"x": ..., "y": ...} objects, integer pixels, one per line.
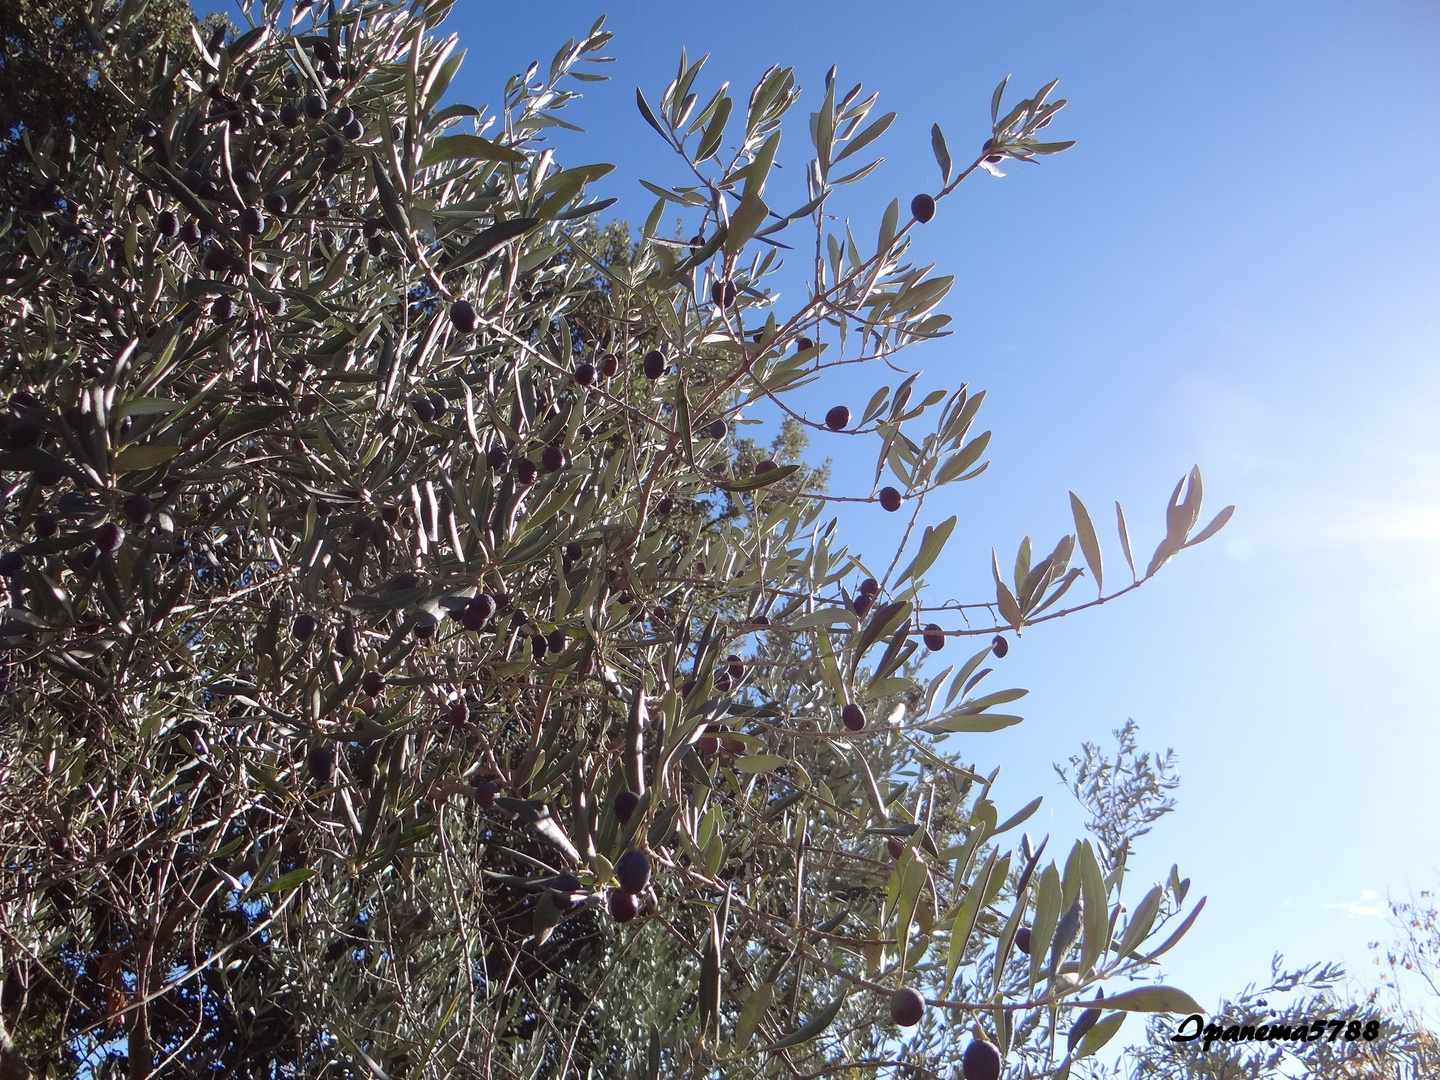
[{"x": 942, "y": 152}]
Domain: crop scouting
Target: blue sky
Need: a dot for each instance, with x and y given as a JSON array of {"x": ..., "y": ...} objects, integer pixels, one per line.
[{"x": 1237, "y": 267}]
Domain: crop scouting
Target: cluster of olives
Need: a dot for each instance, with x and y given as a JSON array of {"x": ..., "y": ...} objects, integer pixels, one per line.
[{"x": 632, "y": 874}]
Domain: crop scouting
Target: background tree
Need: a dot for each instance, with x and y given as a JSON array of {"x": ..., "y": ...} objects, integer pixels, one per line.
[
  {"x": 1404, "y": 1045},
  {"x": 83, "y": 69},
  {"x": 1125, "y": 795},
  {"x": 408, "y": 672}
]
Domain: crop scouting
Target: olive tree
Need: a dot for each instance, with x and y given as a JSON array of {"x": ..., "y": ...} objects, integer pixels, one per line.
[{"x": 410, "y": 671}]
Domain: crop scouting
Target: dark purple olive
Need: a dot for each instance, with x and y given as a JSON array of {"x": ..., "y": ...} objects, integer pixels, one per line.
[
  {"x": 895, "y": 846},
  {"x": 735, "y": 667},
  {"x": 722, "y": 293},
  {"x": 309, "y": 404},
  {"x": 765, "y": 466},
  {"x": 223, "y": 309},
  {"x": 331, "y": 70},
  {"x": 424, "y": 629},
  {"x": 610, "y": 365},
  {"x": 11, "y": 563},
  {"x": 110, "y": 536},
  {"x": 890, "y": 499},
  {"x": 585, "y": 374},
  {"x": 555, "y": 640},
  {"x": 463, "y": 317},
  {"x": 923, "y": 208},
  {"x": 275, "y": 203},
  {"x": 853, "y": 716},
  {"x": 375, "y": 246},
  {"x": 862, "y": 604},
  {"x": 354, "y": 131},
  {"x": 934, "y": 637},
  {"x": 870, "y": 587},
  {"x": 423, "y": 409},
  {"x": 372, "y": 227},
  {"x": 999, "y": 647},
  {"x": 167, "y": 224},
  {"x": 538, "y": 647},
  {"x": 717, "y": 429},
  {"x": 46, "y": 525},
  {"x": 697, "y": 241},
  {"x": 624, "y": 806},
  {"x": 137, "y": 509},
  {"x": 192, "y": 179},
  {"x": 303, "y": 628},
  {"x": 244, "y": 177},
  {"x": 804, "y": 343},
  {"x": 372, "y": 683},
  {"x": 190, "y": 233},
  {"x": 218, "y": 260},
  {"x": 289, "y": 115},
  {"x": 654, "y": 364},
  {"x": 314, "y": 106},
  {"x": 665, "y": 506},
  {"x": 526, "y": 471},
  {"x": 623, "y": 906},
  {"x": 573, "y": 551},
  {"x": 553, "y": 459},
  {"x": 563, "y": 888},
  {"x": 1022, "y": 940},
  {"x": 457, "y": 713},
  {"x": 981, "y": 1061},
  {"x": 345, "y": 641},
  {"x": 632, "y": 871},
  {"x": 496, "y": 457},
  {"x": 252, "y": 221},
  {"x": 838, "y": 418},
  {"x": 485, "y": 793},
  {"x": 907, "y": 1007},
  {"x": 321, "y": 763}
]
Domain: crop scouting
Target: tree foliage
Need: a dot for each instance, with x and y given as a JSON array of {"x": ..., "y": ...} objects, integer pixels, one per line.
[{"x": 388, "y": 574}]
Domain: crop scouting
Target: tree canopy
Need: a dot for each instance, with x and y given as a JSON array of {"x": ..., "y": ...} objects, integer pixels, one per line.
[{"x": 410, "y": 668}]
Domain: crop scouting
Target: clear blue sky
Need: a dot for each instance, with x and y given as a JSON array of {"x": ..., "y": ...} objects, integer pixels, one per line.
[{"x": 1236, "y": 266}]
